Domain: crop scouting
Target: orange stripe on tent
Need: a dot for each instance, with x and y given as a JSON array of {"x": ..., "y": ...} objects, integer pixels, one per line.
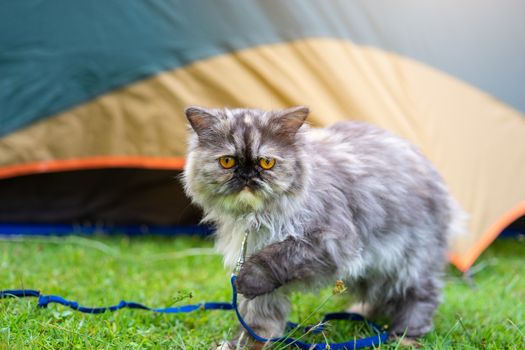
[
  {"x": 464, "y": 262},
  {"x": 168, "y": 163}
]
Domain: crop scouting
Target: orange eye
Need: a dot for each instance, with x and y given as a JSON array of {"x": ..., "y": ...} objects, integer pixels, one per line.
[
  {"x": 227, "y": 162},
  {"x": 266, "y": 163}
]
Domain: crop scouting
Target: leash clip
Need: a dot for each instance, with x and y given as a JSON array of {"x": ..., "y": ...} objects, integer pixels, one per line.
[{"x": 242, "y": 256}]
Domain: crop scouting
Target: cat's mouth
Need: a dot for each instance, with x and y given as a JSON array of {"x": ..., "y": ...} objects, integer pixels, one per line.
[
  {"x": 248, "y": 198},
  {"x": 247, "y": 189},
  {"x": 245, "y": 198}
]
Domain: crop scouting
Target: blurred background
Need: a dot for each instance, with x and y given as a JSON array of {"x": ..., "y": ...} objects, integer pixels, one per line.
[{"x": 92, "y": 93}]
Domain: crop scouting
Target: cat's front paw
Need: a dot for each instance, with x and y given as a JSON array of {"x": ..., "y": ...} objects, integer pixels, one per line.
[{"x": 253, "y": 280}]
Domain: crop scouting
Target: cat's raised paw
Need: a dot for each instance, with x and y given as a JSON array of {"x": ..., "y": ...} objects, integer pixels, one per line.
[{"x": 253, "y": 281}]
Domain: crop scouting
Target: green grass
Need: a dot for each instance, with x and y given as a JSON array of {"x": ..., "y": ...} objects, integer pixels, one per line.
[{"x": 488, "y": 313}]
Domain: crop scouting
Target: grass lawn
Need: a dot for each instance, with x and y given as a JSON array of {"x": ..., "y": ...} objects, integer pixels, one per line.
[{"x": 488, "y": 313}]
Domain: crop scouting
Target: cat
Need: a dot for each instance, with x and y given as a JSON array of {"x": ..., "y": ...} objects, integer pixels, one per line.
[{"x": 350, "y": 201}]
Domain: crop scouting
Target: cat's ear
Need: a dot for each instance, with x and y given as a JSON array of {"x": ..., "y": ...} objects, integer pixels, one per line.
[
  {"x": 291, "y": 119},
  {"x": 200, "y": 119}
]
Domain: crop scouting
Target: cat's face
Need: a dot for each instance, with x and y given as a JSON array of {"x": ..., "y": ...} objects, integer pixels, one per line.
[{"x": 242, "y": 160}]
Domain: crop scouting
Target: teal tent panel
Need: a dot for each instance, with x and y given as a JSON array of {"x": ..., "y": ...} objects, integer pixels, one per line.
[{"x": 57, "y": 54}]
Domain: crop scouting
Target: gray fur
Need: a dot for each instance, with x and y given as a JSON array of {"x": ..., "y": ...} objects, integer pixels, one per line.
[{"x": 349, "y": 201}]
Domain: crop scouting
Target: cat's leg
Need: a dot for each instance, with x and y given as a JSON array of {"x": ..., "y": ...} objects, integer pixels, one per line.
[
  {"x": 411, "y": 312},
  {"x": 292, "y": 260},
  {"x": 362, "y": 308},
  {"x": 266, "y": 315},
  {"x": 307, "y": 261}
]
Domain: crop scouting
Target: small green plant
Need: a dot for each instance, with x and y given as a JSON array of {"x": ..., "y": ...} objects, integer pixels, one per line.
[{"x": 182, "y": 295}]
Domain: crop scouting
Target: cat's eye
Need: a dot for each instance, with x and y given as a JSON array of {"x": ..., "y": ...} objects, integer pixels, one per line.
[
  {"x": 227, "y": 162},
  {"x": 266, "y": 163}
]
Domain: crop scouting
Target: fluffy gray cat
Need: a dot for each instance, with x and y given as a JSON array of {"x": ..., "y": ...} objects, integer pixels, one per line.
[{"x": 350, "y": 202}]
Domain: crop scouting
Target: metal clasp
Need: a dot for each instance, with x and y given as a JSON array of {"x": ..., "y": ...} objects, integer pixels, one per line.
[{"x": 242, "y": 256}]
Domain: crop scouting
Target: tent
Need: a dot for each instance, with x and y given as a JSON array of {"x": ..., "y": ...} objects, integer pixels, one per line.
[{"x": 92, "y": 130}]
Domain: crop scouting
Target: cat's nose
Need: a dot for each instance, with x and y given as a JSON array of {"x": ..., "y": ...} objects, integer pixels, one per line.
[
  {"x": 247, "y": 176},
  {"x": 248, "y": 182}
]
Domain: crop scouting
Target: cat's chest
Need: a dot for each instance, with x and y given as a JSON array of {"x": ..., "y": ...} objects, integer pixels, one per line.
[{"x": 229, "y": 240}]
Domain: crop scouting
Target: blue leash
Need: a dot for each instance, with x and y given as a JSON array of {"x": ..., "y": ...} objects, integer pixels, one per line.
[
  {"x": 375, "y": 340},
  {"x": 379, "y": 338},
  {"x": 45, "y": 300}
]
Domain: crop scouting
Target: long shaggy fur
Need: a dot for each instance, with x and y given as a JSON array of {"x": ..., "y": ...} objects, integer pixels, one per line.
[{"x": 350, "y": 201}]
